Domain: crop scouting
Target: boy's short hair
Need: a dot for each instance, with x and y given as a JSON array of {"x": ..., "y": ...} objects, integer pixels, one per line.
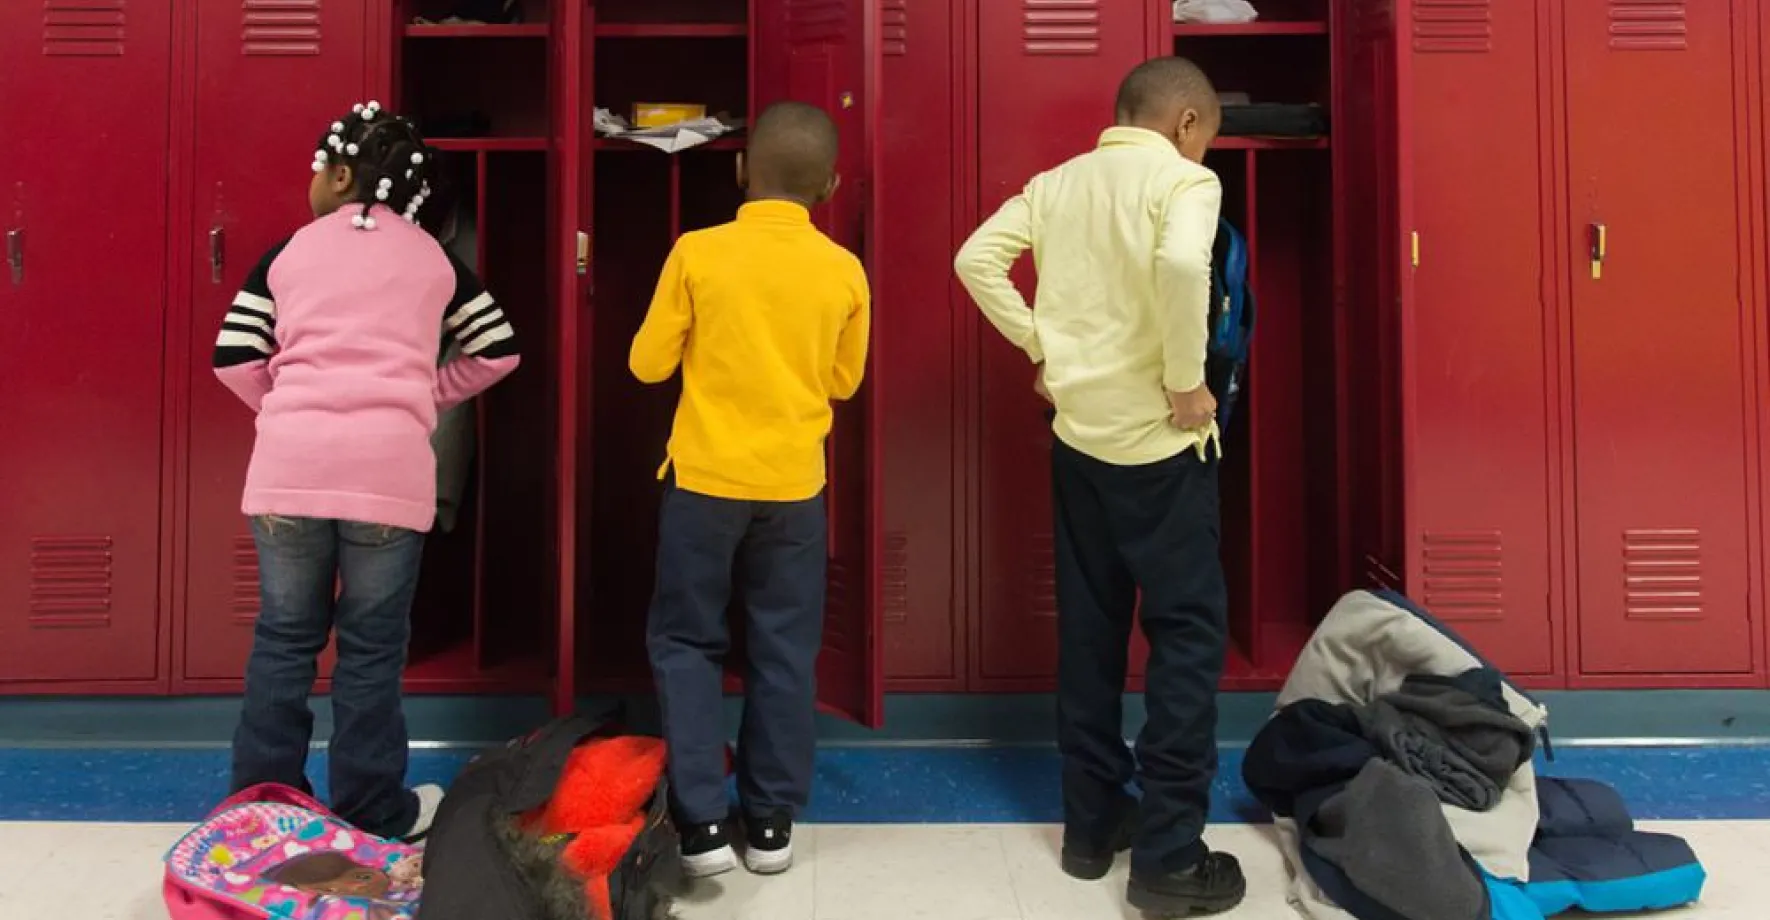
[
  {"x": 1164, "y": 85},
  {"x": 792, "y": 150}
]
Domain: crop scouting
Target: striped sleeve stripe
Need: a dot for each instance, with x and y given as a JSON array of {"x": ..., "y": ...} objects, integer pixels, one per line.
[
  {"x": 484, "y": 320},
  {"x": 480, "y": 344},
  {"x": 469, "y": 310},
  {"x": 242, "y": 317},
  {"x": 234, "y": 336},
  {"x": 252, "y": 303}
]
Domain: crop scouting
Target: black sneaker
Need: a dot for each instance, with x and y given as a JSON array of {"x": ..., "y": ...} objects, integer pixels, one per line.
[
  {"x": 706, "y": 849},
  {"x": 769, "y": 839},
  {"x": 1089, "y": 860},
  {"x": 1213, "y": 886}
]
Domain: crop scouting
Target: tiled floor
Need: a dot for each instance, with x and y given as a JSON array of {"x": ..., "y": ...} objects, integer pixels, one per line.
[{"x": 845, "y": 872}]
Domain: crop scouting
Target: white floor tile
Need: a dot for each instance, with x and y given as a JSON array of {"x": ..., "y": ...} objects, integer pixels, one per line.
[
  {"x": 913, "y": 872},
  {"x": 870, "y": 872}
]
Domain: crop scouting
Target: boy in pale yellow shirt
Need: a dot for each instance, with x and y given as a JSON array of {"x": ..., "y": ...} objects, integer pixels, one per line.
[
  {"x": 767, "y": 320},
  {"x": 1122, "y": 238}
]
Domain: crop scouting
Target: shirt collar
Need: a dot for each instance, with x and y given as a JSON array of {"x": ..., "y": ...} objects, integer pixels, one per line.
[
  {"x": 774, "y": 211},
  {"x": 1126, "y": 136}
]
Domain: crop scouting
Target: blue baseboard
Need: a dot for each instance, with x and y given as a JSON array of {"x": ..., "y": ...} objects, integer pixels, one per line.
[
  {"x": 1607, "y": 717},
  {"x": 853, "y": 785}
]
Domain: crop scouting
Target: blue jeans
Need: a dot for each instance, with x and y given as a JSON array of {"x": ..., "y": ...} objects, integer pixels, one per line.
[
  {"x": 778, "y": 554},
  {"x": 301, "y": 565}
]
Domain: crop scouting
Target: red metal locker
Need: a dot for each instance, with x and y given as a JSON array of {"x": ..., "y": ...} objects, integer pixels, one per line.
[
  {"x": 925, "y": 323},
  {"x": 1661, "y": 338},
  {"x": 85, "y": 93},
  {"x": 1481, "y": 389},
  {"x": 1047, "y": 72},
  {"x": 268, "y": 82}
]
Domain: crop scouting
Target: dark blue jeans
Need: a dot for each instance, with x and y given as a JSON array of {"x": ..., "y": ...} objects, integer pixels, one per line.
[
  {"x": 776, "y": 554},
  {"x": 317, "y": 578},
  {"x": 1125, "y": 531}
]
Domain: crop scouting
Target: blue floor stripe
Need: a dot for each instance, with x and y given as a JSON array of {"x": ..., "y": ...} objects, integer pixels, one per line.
[{"x": 857, "y": 785}]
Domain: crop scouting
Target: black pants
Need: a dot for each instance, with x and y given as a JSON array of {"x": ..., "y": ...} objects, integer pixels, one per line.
[
  {"x": 777, "y": 554},
  {"x": 1122, "y": 531}
]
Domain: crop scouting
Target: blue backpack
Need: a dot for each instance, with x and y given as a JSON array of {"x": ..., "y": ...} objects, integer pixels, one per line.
[{"x": 1231, "y": 319}]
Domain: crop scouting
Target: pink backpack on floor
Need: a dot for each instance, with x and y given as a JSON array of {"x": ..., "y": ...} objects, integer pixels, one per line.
[{"x": 272, "y": 852}]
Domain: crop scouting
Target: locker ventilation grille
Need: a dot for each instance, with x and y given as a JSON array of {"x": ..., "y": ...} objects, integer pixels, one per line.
[
  {"x": 896, "y": 577},
  {"x": 1464, "y": 575},
  {"x": 281, "y": 28},
  {"x": 894, "y": 17},
  {"x": 1060, "y": 27},
  {"x": 1662, "y": 574},
  {"x": 244, "y": 603},
  {"x": 837, "y": 635},
  {"x": 1648, "y": 25},
  {"x": 71, "y": 582},
  {"x": 1454, "y": 26},
  {"x": 1044, "y": 576},
  {"x": 83, "y": 28}
]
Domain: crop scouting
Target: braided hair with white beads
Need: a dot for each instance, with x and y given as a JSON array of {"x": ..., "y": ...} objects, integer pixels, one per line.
[{"x": 389, "y": 162}]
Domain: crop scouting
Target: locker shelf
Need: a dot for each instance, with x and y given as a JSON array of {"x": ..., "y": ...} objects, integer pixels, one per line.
[
  {"x": 616, "y": 145},
  {"x": 518, "y": 30},
  {"x": 1270, "y": 27},
  {"x": 488, "y": 144},
  {"x": 1270, "y": 143},
  {"x": 671, "y": 30}
]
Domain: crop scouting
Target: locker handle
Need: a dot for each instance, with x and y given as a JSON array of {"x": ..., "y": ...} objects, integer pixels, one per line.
[
  {"x": 583, "y": 253},
  {"x": 1598, "y": 237},
  {"x": 15, "y": 255},
  {"x": 217, "y": 253}
]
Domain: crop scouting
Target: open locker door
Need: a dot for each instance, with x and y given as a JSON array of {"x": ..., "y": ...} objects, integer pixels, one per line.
[
  {"x": 824, "y": 53},
  {"x": 1373, "y": 168},
  {"x": 569, "y": 229}
]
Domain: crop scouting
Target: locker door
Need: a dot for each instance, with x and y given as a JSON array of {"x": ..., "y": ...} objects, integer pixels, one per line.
[
  {"x": 270, "y": 77},
  {"x": 919, "y": 144},
  {"x": 1659, "y": 328},
  {"x": 1480, "y": 413},
  {"x": 1048, "y": 71},
  {"x": 83, "y": 208},
  {"x": 831, "y": 59}
]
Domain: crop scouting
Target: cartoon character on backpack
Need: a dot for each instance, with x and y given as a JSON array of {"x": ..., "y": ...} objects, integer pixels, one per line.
[{"x": 335, "y": 875}]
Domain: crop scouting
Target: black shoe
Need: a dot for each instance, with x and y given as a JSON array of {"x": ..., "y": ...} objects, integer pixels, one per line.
[
  {"x": 706, "y": 849},
  {"x": 1213, "y": 886},
  {"x": 769, "y": 839},
  {"x": 1090, "y": 861}
]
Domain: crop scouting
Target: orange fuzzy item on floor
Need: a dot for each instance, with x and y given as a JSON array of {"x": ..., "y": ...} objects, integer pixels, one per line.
[
  {"x": 594, "y": 855},
  {"x": 606, "y": 782}
]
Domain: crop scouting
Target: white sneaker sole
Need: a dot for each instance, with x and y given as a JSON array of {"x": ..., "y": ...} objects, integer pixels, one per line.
[
  {"x": 710, "y": 863},
  {"x": 769, "y": 862}
]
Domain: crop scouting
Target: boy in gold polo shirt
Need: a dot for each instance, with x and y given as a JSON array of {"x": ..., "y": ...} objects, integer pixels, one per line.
[{"x": 767, "y": 319}]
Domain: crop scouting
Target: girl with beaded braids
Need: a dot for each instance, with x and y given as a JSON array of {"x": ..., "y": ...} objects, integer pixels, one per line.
[{"x": 333, "y": 342}]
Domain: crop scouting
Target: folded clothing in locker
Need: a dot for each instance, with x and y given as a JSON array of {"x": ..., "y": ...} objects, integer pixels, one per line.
[
  {"x": 1273, "y": 119},
  {"x": 1215, "y": 12},
  {"x": 1387, "y": 728}
]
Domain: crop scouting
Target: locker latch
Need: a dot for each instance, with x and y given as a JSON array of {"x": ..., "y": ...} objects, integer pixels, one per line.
[
  {"x": 583, "y": 253},
  {"x": 1598, "y": 237},
  {"x": 15, "y": 255},
  {"x": 217, "y": 253},
  {"x": 1415, "y": 244}
]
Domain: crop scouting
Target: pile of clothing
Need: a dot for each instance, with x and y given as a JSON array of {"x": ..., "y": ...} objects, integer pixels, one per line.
[{"x": 1399, "y": 768}]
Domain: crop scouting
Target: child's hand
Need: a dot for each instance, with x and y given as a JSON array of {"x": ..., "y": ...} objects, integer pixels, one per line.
[
  {"x": 1039, "y": 385},
  {"x": 1192, "y": 411}
]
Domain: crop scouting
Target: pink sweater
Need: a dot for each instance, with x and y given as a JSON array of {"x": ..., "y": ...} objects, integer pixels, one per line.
[{"x": 333, "y": 341}]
